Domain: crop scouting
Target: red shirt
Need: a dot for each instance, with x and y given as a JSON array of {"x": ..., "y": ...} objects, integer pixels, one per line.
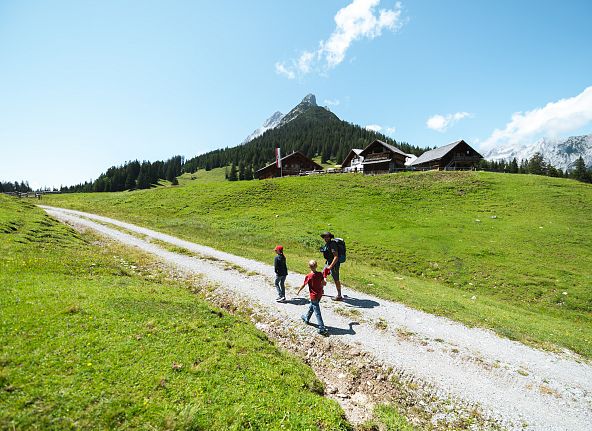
[{"x": 315, "y": 283}]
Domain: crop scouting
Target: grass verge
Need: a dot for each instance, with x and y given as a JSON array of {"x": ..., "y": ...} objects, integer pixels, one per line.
[{"x": 89, "y": 341}]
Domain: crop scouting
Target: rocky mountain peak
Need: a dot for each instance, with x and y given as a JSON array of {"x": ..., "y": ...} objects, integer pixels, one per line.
[
  {"x": 278, "y": 119},
  {"x": 310, "y": 99}
]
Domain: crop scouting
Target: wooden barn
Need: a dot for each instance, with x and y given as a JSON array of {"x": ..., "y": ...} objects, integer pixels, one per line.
[
  {"x": 353, "y": 161},
  {"x": 456, "y": 156},
  {"x": 382, "y": 158},
  {"x": 292, "y": 164}
]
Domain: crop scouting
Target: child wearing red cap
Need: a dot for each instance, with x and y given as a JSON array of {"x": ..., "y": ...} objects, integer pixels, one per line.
[{"x": 281, "y": 272}]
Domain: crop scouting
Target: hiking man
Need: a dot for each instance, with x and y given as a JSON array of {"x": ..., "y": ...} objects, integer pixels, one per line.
[{"x": 331, "y": 255}]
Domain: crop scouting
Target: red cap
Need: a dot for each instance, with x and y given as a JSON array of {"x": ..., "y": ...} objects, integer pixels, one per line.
[{"x": 279, "y": 248}]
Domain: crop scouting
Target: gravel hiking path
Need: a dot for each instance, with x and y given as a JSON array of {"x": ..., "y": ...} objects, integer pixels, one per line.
[{"x": 519, "y": 386}]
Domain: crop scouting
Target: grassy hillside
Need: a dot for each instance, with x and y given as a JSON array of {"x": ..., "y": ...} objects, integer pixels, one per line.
[
  {"x": 507, "y": 252},
  {"x": 91, "y": 339}
]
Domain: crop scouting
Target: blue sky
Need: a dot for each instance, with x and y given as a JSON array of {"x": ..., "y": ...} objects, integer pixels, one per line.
[{"x": 88, "y": 84}]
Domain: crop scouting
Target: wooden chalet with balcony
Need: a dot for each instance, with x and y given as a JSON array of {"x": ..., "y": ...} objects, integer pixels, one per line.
[
  {"x": 382, "y": 158},
  {"x": 353, "y": 161},
  {"x": 456, "y": 156},
  {"x": 292, "y": 164}
]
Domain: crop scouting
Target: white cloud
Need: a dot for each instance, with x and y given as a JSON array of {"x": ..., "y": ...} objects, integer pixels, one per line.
[
  {"x": 553, "y": 119},
  {"x": 441, "y": 123},
  {"x": 305, "y": 61},
  {"x": 380, "y": 129},
  {"x": 281, "y": 69},
  {"x": 331, "y": 102},
  {"x": 358, "y": 20},
  {"x": 374, "y": 127}
]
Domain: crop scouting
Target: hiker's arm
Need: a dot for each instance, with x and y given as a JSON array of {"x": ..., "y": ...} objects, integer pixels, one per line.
[
  {"x": 335, "y": 259},
  {"x": 301, "y": 287}
]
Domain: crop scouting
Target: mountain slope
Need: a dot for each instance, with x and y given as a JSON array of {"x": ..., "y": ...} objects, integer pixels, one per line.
[
  {"x": 271, "y": 123},
  {"x": 559, "y": 152},
  {"x": 278, "y": 119},
  {"x": 308, "y": 128}
]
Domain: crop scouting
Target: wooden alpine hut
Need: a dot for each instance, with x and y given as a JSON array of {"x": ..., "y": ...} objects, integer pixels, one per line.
[
  {"x": 353, "y": 161},
  {"x": 456, "y": 156},
  {"x": 292, "y": 164},
  {"x": 382, "y": 158}
]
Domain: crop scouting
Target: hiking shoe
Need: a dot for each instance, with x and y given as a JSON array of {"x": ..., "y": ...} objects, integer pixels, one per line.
[
  {"x": 280, "y": 299},
  {"x": 304, "y": 319},
  {"x": 337, "y": 298}
]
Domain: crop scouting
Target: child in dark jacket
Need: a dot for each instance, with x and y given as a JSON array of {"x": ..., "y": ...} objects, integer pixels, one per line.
[
  {"x": 281, "y": 272},
  {"x": 315, "y": 282}
]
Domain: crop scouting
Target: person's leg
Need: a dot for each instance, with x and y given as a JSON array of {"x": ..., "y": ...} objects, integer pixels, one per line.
[
  {"x": 316, "y": 306},
  {"x": 335, "y": 275},
  {"x": 306, "y": 317},
  {"x": 282, "y": 287},
  {"x": 277, "y": 286},
  {"x": 338, "y": 287}
]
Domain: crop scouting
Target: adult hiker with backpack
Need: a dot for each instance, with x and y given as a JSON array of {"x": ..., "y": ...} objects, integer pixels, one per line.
[{"x": 334, "y": 254}]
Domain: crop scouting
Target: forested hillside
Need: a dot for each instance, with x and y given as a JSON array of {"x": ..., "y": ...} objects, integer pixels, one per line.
[
  {"x": 131, "y": 175},
  {"x": 316, "y": 132}
]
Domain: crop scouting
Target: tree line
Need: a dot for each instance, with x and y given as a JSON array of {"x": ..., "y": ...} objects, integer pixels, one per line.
[
  {"x": 536, "y": 165},
  {"x": 131, "y": 175},
  {"x": 9, "y": 187}
]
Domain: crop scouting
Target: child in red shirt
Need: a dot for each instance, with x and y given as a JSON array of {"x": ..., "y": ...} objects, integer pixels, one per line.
[{"x": 315, "y": 282}]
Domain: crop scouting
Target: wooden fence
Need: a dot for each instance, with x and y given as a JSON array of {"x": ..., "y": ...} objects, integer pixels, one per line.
[{"x": 36, "y": 195}]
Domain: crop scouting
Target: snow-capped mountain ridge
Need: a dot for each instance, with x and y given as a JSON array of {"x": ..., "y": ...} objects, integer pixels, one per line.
[
  {"x": 278, "y": 119},
  {"x": 271, "y": 123},
  {"x": 559, "y": 152},
  {"x": 308, "y": 102}
]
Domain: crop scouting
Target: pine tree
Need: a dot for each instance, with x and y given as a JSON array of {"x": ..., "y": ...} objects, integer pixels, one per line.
[
  {"x": 170, "y": 172},
  {"x": 232, "y": 174},
  {"x": 241, "y": 171},
  {"x": 249, "y": 173},
  {"x": 144, "y": 176},
  {"x": 130, "y": 181},
  {"x": 513, "y": 167},
  {"x": 552, "y": 171},
  {"x": 579, "y": 171},
  {"x": 536, "y": 164}
]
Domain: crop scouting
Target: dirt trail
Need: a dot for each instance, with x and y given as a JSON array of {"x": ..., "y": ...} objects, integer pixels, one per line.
[{"x": 519, "y": 386}]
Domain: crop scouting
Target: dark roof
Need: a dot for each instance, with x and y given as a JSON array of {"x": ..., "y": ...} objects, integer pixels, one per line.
[
  {"x": 384, "y": 144},
  {"x": 436, "y": 153},
  {"x": 291, "y": 155}
]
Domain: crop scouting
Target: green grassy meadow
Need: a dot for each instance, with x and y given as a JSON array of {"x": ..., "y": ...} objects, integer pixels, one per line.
[
  {"x": 508, "y": 252},
  {"x": 92, "y": 338}
]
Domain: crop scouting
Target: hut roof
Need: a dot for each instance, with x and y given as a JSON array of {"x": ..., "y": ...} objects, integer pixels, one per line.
[
  {"x": 387, "y": 146},
  {"x": 295, "y": 153},
  {"x": 436, "y": 153}
]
